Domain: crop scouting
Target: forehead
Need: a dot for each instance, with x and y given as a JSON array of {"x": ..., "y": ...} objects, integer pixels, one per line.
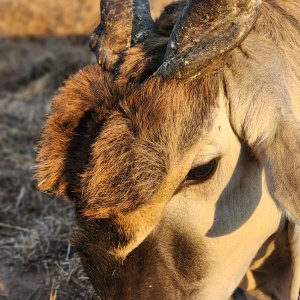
[
  {"x": 141, "y": 136},
  {"x": 111, "y": 146},
  {"x": 168, "y": 110}
]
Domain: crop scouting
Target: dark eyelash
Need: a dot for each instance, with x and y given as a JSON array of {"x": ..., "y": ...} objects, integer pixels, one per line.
[{"x": 202, "y": 173}]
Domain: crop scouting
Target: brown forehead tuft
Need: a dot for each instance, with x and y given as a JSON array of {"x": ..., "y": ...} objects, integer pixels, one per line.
[
  {"x": 85, "y": 96},
  {"x": 111, "y": 151},
  {"x": 150, "y": 128}
]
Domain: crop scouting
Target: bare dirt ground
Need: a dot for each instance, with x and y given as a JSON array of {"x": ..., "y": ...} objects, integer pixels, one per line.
[{"x": 41, "y": 43}]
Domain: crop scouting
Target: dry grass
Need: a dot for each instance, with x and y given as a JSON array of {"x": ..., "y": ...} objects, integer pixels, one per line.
[{"x": 36, "y": 257}]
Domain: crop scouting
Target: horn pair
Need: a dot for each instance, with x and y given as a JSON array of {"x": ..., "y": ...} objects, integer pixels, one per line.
[{"x": 205, "y": 31}]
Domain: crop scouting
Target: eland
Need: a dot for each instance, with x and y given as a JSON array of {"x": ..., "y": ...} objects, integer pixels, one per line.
[{"x": 181, "y": 151}]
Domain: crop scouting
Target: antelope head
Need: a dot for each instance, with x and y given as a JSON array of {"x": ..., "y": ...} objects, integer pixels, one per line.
[{"x": 162, "y": 117}]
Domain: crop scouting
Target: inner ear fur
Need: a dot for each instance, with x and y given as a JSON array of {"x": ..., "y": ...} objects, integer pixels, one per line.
[{"x": 76, "y": 112}]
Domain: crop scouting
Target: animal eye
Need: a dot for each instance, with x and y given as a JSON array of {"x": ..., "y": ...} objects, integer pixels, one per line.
[{"x": 201, "y": 173}]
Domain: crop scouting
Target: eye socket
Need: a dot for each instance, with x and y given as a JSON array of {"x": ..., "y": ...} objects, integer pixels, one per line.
[{"x": 201, "y": 173}]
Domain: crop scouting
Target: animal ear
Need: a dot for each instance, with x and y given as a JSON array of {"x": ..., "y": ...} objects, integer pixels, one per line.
[
  {"x": 75, "y": 119},
  {"x": 261, "y": 113}
]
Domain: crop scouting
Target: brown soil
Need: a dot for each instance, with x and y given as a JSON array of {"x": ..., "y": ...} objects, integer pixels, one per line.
[{"x": 41, "y": 43}]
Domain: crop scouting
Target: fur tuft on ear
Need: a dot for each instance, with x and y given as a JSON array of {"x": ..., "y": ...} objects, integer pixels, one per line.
[{"x": 76, "y": 112}]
